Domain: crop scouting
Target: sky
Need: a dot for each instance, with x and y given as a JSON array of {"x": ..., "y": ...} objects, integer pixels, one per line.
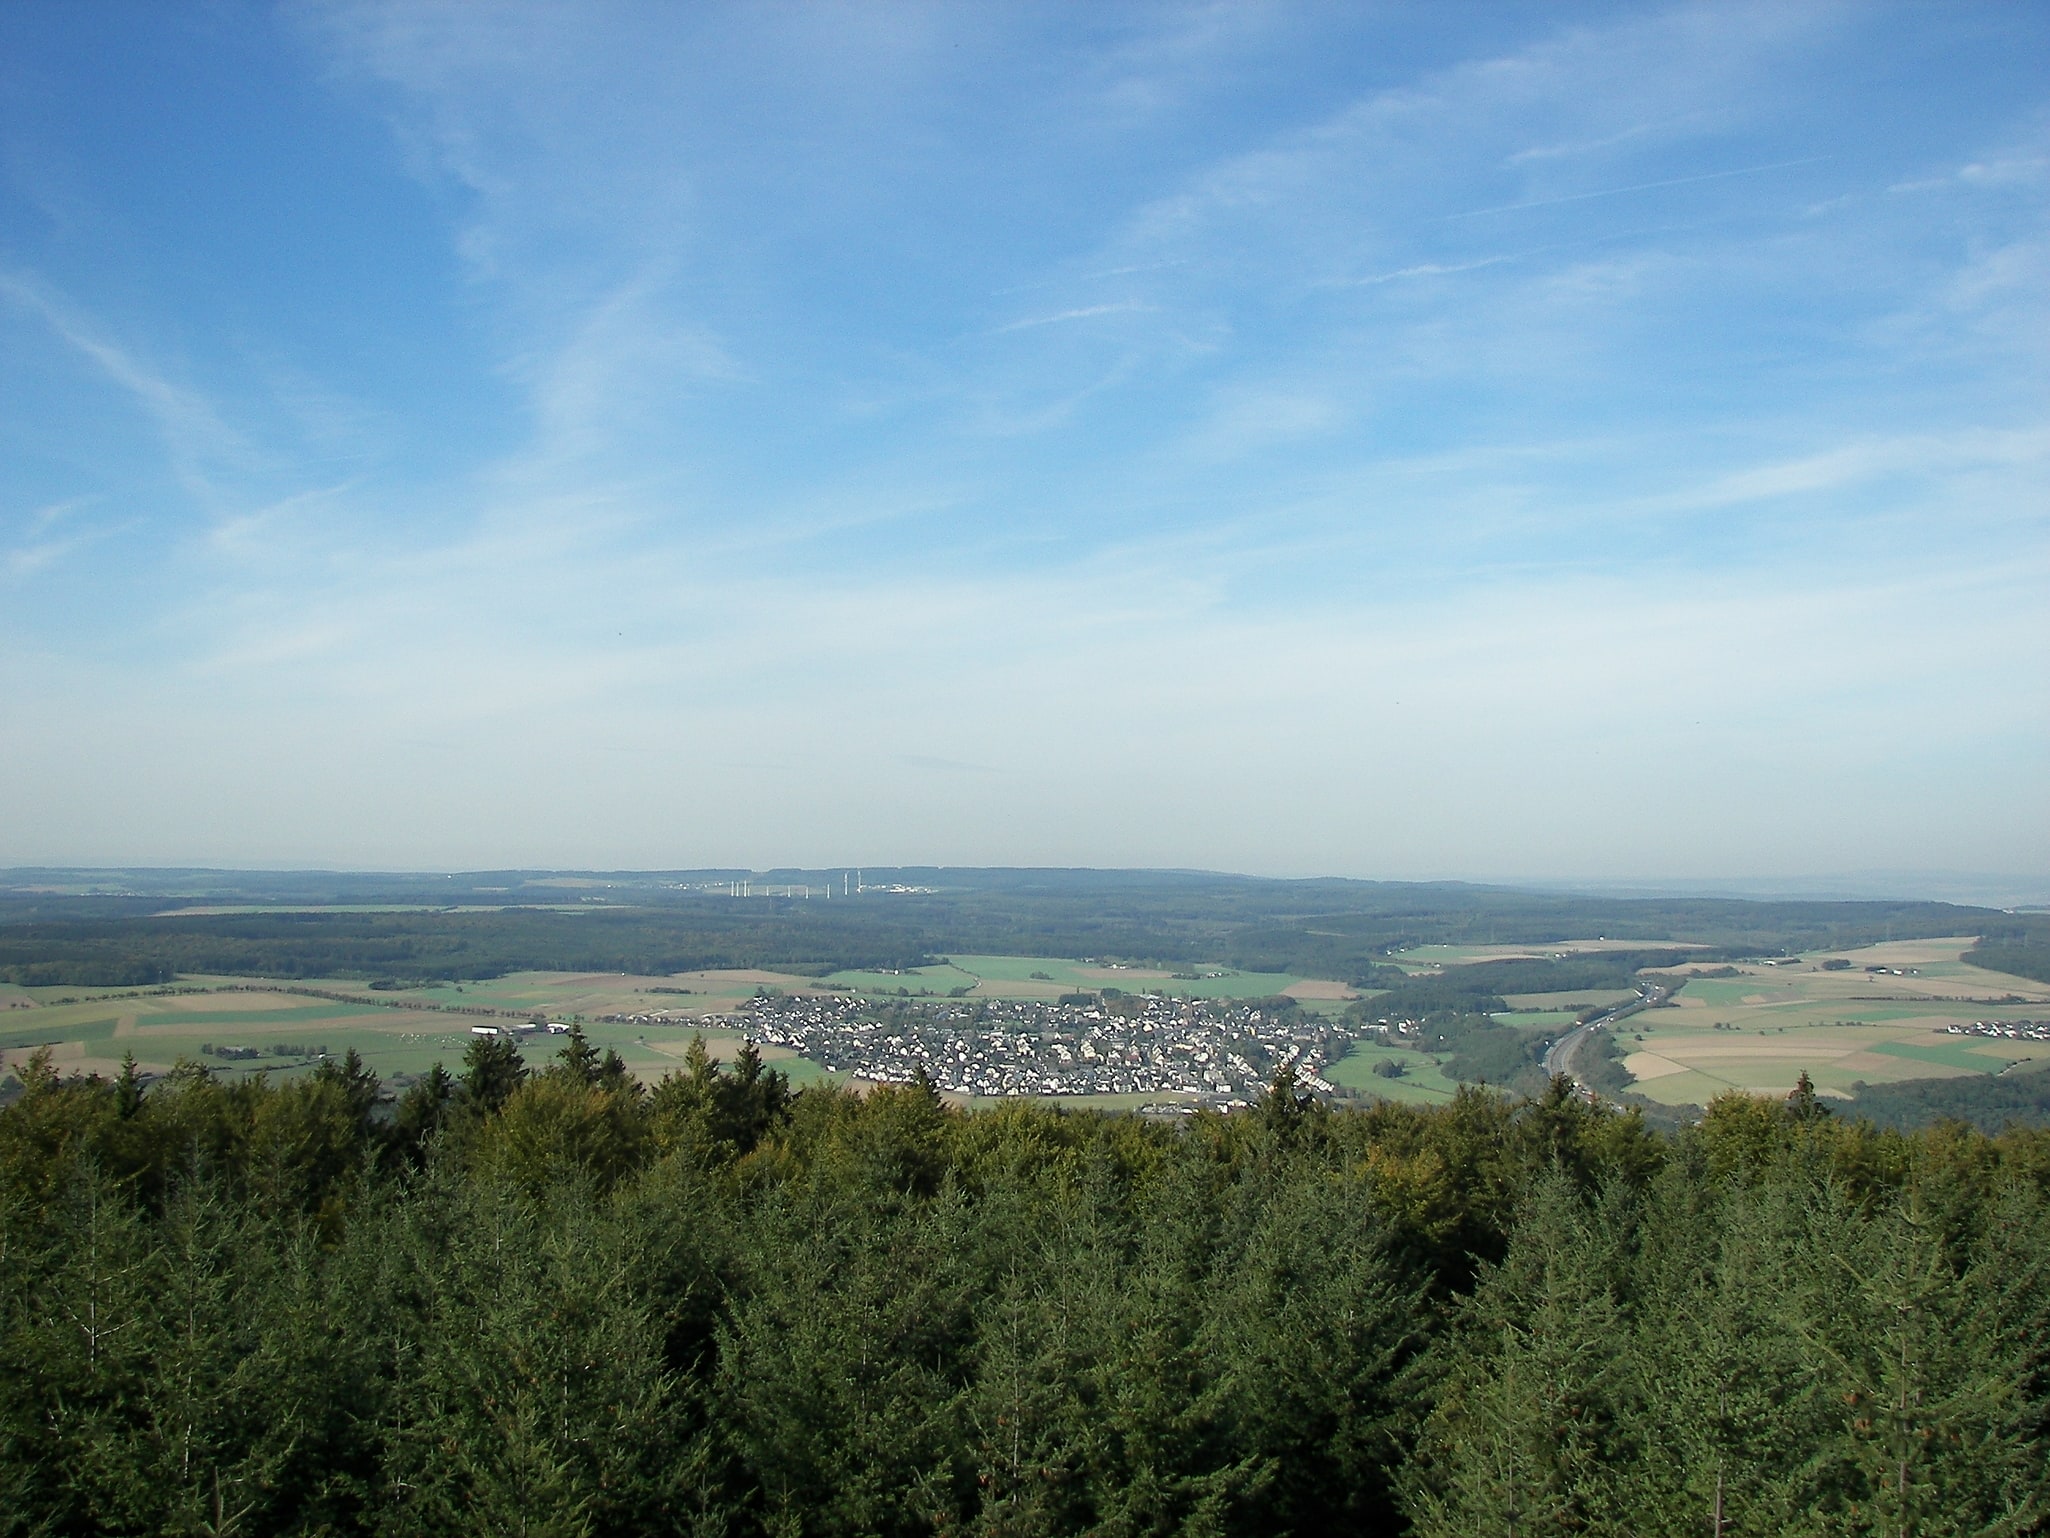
[{"x": 1493, "y": 441}]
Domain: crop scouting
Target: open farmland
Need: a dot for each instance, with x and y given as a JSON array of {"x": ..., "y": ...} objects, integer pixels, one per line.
[
  {"x": 1538, "y": 1019},
  {"x": 89, "y": 1030},
  {"x": 1884, "y": 1014},
  {"x": 1048, "y": 977},
  {"x": 1880, "y": 1014},
  {"x": 1569, "y": 1002},
  {"x": 242, "y": 1026},
  {"x": 590, "y": 994},
  {"x": 1419, "y": 959}
]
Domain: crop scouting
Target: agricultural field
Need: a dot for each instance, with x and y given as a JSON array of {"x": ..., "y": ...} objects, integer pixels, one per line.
[
  {"x": 563, "y": 994},
  {"x": 1426, "y": 959},
  {"x": 1422, "y": 1079},
  {"x": 1047, "y": 977},
  {"x": 1569, "y": 1002},
  {"x": 1879, "y": 1016},
  {"x": 1537, "y": 1019},
  {"x": 401, "y": 1032},
  {"x": 1762, "y": 1028},
  {"x": 89, "y": 1030}
]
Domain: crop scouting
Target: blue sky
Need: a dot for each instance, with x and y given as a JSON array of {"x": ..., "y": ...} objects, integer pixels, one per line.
[{"x": 1497, "y": 441}]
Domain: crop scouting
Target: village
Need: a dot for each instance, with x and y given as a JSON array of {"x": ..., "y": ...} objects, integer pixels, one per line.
[
  {"x": 1218, "y": 1053},
  {"x": 2009, "y": 1030}
]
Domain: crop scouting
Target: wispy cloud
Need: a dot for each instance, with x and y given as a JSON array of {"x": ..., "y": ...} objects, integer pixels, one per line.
[
  {"x": 801, "y": 378},
  {"x": 48, "y": 542},
  {"x": 1617, "y": 192},
  {"x": 1086, "y": 312},
  {"x": 199, "y": 442},
  {"x": 1433, "y": 270},
  {"x": 1923, "y": 456}
]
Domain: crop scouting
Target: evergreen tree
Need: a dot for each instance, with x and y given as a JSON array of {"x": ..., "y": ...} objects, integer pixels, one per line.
[
  {"x": 492, "y": 1070},
  {"x": 1936, "y": 1435},
  {"x": 420, "y": 1112},
  {"x": 1532, "y": 1424},
  {"x": 577, "y": 1059},
  {"x": 558, "y": 1304},
  {"x": 128, "y": 1088}
]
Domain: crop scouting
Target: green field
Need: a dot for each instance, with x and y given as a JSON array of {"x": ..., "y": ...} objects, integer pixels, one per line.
[
  {"x": 1572, "y": 1001},
  {"x": 935, "y": 981},
  {"x": 563, "y": 994},
  {"x": 1422, "y": 1079},
  {"x": 1953, "y": 1052},
  {"x": 1537, "y": 1019},
  {"x": 1047, "y": 977}
]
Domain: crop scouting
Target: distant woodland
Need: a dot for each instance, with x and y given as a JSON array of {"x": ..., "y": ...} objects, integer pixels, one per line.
[
  {"x": 539, "y": 1298},
  {"x": 487, "y": 925}
]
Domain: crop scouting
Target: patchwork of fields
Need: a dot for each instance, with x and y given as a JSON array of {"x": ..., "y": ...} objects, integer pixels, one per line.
[
  {"x": 89, "y": 1030},
  {"x": 1762, "y": 1028},
  {"x": 1046, "y": 977},
  {"x": 1425, "y": 959},
  {"x": 403, "y": 1032},
  {"x": 1882, "y": 1015}
]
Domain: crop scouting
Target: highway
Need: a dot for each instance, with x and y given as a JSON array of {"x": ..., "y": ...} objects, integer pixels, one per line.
[{"x": 1560, "y": 1056}]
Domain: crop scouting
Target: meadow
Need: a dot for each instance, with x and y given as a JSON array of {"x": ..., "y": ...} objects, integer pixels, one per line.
[
  {"x": 1538, "y": 1019},
  {"x": 1423, "y": 1081},
  {"x": 1760, "y": 1029}
]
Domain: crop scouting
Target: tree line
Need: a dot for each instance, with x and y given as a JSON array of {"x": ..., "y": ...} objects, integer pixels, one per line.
[{"x": 546, "y": 1299}]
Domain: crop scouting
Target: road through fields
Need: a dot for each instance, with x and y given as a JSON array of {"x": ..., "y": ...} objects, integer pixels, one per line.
[{"x": 1560, "y": 1056}]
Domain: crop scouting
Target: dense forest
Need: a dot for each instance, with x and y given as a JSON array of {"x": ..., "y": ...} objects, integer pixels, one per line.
[
  {"x": 122, "y": 929},
  {"x": 543, "y": 1299}
]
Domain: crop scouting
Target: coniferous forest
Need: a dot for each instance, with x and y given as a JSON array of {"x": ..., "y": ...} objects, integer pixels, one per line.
[{"x": 543, "y": 1299}]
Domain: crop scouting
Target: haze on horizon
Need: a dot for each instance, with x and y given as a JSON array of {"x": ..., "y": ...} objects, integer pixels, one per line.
[{"x": 1603, "y": 442}]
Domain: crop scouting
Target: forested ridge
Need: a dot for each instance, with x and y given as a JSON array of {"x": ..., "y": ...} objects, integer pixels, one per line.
[
  {"x": 60, "y": 929},
  {"x": 545, "y": 1299}
]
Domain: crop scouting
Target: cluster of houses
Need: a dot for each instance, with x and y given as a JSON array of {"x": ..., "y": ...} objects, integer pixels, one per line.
[
  {"x": 1216, "y": 1052},
  {"x": 2006, "y": 1030},
  {"x": 517, "y": 1028}
]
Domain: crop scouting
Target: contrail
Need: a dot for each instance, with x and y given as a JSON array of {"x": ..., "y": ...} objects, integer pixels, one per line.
[{"x": 1616, "y": 192}]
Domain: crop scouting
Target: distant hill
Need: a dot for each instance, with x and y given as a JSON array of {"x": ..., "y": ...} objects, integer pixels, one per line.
[{"x": 126, "y": 926}]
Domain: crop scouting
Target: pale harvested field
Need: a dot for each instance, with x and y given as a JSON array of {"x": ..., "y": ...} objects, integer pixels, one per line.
[
  {"x": 735, "y": 977},
  {"x": 169, "y": 1006},
  {"x": 1462, "y": 955},
  {"x": 1929, "y": 969},
  {"x": 1012, "y": 977},
  {"x": 1319, "y": 988}
]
